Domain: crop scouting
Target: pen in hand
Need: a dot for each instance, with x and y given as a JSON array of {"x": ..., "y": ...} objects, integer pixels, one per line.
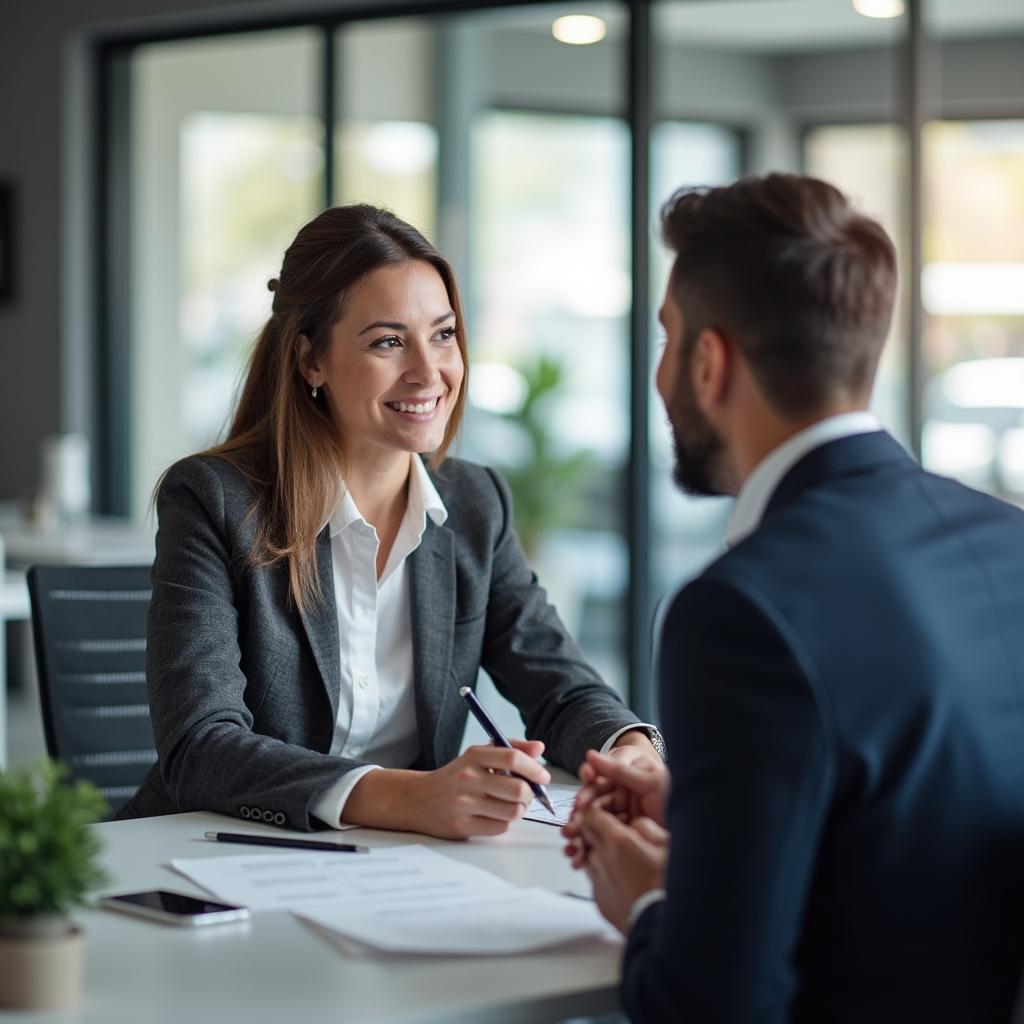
[{"x": 500, "y": 741}]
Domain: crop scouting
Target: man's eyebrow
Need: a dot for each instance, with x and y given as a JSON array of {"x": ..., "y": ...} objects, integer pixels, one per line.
[{"x": 404, "y": 327}]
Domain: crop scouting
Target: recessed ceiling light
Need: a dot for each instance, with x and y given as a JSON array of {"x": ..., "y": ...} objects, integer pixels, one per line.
[
  {"x": 579, "y": 29},
  {"x": 879, "y": 8}
]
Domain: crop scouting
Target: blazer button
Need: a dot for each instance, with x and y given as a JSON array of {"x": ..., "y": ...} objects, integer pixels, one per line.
[
  {"x": 268, "y": 816},
  {"x": 244, "y": 812},
  {"x": 279, "y": 818}
]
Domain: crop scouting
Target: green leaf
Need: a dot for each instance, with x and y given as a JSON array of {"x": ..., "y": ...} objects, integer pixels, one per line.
[{"x": 49, "y": 856}]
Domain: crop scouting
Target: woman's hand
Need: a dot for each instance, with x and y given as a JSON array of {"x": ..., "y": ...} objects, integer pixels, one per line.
[{"x": 466, "y": 797}]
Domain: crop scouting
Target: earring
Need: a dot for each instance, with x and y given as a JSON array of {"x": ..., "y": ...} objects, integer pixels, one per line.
[{"x": 314, "y": 391}]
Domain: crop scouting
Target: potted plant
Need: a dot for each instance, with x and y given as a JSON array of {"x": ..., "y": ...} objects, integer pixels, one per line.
[{"x": 48, "y": 863}]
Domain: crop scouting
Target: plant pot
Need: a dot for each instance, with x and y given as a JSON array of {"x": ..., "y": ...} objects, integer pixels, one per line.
[{"x": 41, "y": 972}]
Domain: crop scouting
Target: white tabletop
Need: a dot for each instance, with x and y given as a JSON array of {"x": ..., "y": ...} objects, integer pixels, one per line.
[{"x": 275, "y": 970}]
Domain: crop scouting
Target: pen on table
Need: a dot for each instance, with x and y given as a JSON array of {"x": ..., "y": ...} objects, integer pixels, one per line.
[
  {"x": 499, "y": 741},
  {"x": 295, "y": 844}
]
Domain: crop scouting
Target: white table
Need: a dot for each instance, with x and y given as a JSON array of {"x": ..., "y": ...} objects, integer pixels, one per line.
[{"x": 276, "y": 970}]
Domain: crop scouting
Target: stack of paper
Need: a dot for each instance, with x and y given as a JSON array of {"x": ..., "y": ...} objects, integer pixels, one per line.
[{"x": 404, "y": 899}]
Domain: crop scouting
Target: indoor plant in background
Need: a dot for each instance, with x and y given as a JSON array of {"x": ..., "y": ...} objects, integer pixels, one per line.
[
  {"x": 547, "y": 486},
  {"x": 48, "y": 864}
]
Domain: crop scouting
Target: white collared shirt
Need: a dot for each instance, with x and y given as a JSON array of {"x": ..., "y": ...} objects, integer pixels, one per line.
[
  {"x": 376, "y": 720},
  {"x": 760, "y": 485}
]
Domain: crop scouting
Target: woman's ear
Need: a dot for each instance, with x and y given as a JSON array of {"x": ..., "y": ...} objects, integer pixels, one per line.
[{"x": 308, "y": 368}]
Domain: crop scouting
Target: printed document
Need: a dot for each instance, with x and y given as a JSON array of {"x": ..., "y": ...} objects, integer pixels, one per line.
[{"x": 401, "y": 899}]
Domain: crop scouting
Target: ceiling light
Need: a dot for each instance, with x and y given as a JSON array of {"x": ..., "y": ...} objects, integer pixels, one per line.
[
  {"x": 879, "y": 8},
  {"x": 579, "y": 29}
]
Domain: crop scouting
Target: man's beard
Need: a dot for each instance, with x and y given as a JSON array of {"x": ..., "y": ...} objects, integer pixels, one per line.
[{"x": 699, "y": 450}]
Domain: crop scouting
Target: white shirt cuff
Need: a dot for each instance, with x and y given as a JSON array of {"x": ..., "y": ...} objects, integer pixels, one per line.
[
  {"x": 610, "y": 742},
  {"x": 330, "y": 804},
  {"x": 647, "y": 900}
]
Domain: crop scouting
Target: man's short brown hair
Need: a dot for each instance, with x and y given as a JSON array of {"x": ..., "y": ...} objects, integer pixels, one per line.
[{"x": 789, "y": 271}]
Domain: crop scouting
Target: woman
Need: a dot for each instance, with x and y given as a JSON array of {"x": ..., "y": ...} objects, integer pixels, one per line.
[{"x": 319, "y": 596}]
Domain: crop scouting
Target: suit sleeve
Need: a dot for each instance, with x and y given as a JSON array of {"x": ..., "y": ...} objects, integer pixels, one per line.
[
  {"x": 752, "y": 775},
  {"x": 536, "y": 664},
  {"x": 209, "y": 757}
]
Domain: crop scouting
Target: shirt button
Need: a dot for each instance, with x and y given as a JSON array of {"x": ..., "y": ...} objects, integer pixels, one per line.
[{"x": 364, "y": 682}]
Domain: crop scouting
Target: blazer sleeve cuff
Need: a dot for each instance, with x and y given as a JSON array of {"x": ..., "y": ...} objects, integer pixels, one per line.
[
  {"x": 330, "y": 804},
  {"x": 647, "y": 900}
]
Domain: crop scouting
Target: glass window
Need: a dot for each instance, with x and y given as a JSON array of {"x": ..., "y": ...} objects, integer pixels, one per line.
[
  {"x": 385, "y": 132},
  {"x": 226, "y": 164},
  {"x": 533, "y": 211},
  {"x": 972, "y": 274},
  {"x": 760, "y": 79},
  {"x": 973, "y": 294},
  {"x": 551, "y": 354},
  {"x": 868, "y": 162},
  {"x": 686, "y": 532}
]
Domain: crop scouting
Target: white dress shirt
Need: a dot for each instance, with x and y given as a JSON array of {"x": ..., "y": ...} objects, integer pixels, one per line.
[
  {"x": 760, "y": 485},
  {"x": 376, "y": 720},
  {"x": 753, "y": 499}
]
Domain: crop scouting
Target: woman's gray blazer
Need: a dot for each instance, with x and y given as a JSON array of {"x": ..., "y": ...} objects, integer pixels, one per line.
[{"x": 244, "y": 690}]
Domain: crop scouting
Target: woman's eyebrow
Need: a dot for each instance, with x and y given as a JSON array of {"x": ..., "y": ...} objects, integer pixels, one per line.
[{"x": 404, "y": 327}]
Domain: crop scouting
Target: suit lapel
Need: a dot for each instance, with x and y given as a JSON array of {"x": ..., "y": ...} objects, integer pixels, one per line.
[
  {"x": 321, "y": 624},
  {"x": 432, "y": 611}
]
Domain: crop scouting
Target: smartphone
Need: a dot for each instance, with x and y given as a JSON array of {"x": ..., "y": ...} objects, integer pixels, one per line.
[{"x": 174, "y": 908}]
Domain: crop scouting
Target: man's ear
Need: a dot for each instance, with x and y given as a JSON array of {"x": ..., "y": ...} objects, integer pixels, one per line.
[{"x": 712, "y": 367}]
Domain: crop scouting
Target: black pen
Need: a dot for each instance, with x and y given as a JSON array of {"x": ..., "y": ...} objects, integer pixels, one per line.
[
  {"x": 499, "y": 741},
  {"x": 295, "y": 844}
]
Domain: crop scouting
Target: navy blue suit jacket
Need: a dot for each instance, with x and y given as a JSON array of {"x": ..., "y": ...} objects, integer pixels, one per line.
[{"x": 843, "y": 699}]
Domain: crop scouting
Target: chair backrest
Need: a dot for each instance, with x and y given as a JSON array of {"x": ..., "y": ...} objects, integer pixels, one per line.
[{"x": 89, "y": 626}]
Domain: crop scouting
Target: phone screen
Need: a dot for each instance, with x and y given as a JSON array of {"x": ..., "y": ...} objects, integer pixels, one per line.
[{"x": 173, "y": 903}]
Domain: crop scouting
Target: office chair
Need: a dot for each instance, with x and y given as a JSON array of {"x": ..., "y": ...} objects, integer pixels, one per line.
[{"x": 89, "y": 626}]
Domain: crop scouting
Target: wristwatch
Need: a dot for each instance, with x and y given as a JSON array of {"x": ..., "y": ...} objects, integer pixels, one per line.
[{"x": 657, "y": 741}]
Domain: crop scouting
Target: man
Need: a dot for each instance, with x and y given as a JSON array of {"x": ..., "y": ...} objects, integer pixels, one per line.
[{"x": 842, "y": 691}]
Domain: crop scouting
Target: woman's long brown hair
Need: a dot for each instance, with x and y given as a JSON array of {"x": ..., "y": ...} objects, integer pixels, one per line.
[{"x": 281, "y": 438}]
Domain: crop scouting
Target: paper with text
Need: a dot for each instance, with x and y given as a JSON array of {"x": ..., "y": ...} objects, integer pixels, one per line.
[{"x": 290, "y": 881}]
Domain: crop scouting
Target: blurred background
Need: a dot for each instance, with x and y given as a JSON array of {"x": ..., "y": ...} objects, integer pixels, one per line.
[{"x": 159, "y": 155}]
